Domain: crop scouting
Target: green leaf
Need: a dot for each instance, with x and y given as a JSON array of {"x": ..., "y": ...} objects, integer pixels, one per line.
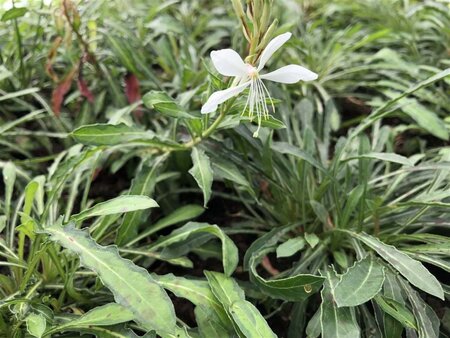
[
  {"x": 36, "y": 324},
  {"x": 2, "y": 223},
  {"x": 336, "y": 322},
  {"x": 209, "y": 325},
  {"x": 270, "y": 122},
  {"x": 143, "y": 184},
  {"x": 360, "y": 283},
  {"x": 182, "y": 214},
  {"x": 426, "y": 319},
  {"x": 230, "y": 255},
  {"x": 286, "y": 148},
  {"x": 30, "y": 191},
  {"x": 397, "y": 311},
  {"x": 411, "y": 269},
  {"x": 293, "y": 288},
  {"x": 250, "y": 322},
  {"x": 195, "y": 290},
  {"x": 229, "y": 171},
  {"x": 199, "y": 293},
  {"x": 352, "y": 201},
  {"x": 14, "y": 13},
  {"x": 226, "y": 290},
  {"x": 9, "y": 177},
  {"x": 118, "y": 205},
  {"x": 313, "y": 328},
  {"x": 107, "y": 332},
  {"x": 108, "y": 314},
  {"x": 109, "y": 134},
  {"x": 131, "y": 285},
  {"x": 424, "y": 117},
  {"x": 388, "y": 157},
  {"x": 202, "y": 172},
  {"x": 392, "y": 328},
  {"x": 312, "y": 239},
  {"x": 290, "y": 247},
  {"x": 164, "y": 104}
]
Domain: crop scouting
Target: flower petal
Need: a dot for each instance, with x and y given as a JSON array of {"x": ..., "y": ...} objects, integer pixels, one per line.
[
  {"x": 228, "y": 62},
  {"x": 221, "y": 96},
  {"x": 272, "y": 47},
  {"x": 290, "y": 74}
]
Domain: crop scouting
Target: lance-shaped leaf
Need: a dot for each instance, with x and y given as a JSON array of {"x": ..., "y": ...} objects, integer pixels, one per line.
[
  {"x": 108, "y": 314},
  {"x": 230, "y": 256},
  {"x": 244, "y": 314},
  {"x": 426, "y": 319},
  {"x": 143, "y": 184},
  {"x": 9, "y": 177},
  {"x": 209, "y": 325},
  {"x": 120, "y": 134},
  {"x": 199, "y": 293},
  {"x": 336, "y": 322},
  {"x": 360, "y": 283},
  {"x": 386, "y": 157},
  {"x": 109, "y": 134},
  {"x": 131, "y": 285},
  {"x": 164, "y": 104},
  {"x": 116, "y": 205},
  {"x": 411, "y": 269},
  {"x": 293, "y": 288},
  {"x": 202, "y": 172},
  {"x": 397, "y": 311}
]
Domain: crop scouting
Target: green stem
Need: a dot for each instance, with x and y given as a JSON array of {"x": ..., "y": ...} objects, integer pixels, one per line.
[
  {"x": 19, "y": 50},
  {"x": 212, "y": 127}
]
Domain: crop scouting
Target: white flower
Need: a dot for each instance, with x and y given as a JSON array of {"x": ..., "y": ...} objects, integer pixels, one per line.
[{"x": 229, "y": 63}]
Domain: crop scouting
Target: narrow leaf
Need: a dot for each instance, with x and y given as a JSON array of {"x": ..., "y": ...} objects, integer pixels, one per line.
[
  {"x": 397, "y": 311},
  {"x": 336, "y": 322},
  {"x": 250, "y": 322},
  {"x": 109, "y": 134},
  {"x": 411, "y": 269},
  {"x": 286, "y": 148},
  {"x": 14, "y": 13},
  {"x": 164, "y": 104},
  {"x": 143, "y": 184},
  {"x": 202, "y": 172},
  {"x": 290, "y": 247},
  {"x": 388, "y": 157},
  {"x": 116, "y": 205},
  {"x": 230, "y": 256},
  {"x": 109, "y": 314}
]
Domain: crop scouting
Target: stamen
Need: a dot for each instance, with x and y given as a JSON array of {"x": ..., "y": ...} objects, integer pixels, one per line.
[{"x": 270, "y": 97}]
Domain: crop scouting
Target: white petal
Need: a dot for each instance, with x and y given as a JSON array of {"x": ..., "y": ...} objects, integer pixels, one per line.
[
  {"x": 290, "y": 74},
  {"x": 221, "y": 96},
  {"x": 228, "y": 62},
  {"x": 272, "y": 47}
]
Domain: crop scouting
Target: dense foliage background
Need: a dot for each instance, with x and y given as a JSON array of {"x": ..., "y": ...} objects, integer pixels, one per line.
[{"x": 125, "y": 212}]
